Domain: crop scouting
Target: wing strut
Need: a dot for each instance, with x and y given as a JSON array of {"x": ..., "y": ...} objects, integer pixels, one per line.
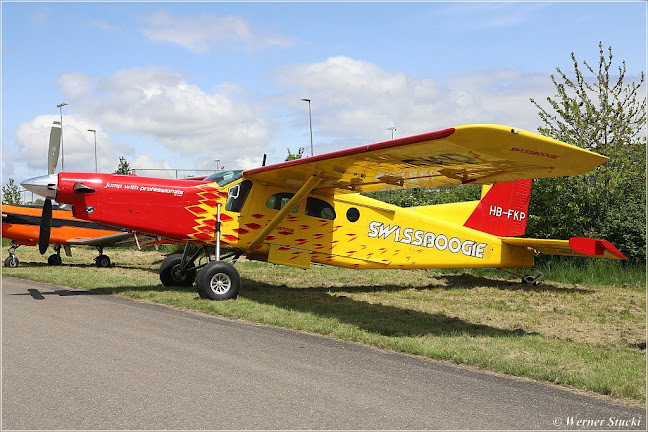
[{"x": 306, "y": 188}]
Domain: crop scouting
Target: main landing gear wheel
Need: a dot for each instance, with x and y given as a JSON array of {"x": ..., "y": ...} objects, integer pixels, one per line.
[
  {"x": 102, "y": 261},
  {"x": 11, "y": 261},
  {"x": 172, "y": 274},
  {"x": 54, "y": 259},
  {"x": 218, "y": 280}
]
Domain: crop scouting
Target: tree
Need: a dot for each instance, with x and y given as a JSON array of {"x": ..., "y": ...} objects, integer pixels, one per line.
[
  {"x": 292, "y": 156},
  {"x": 605, "y": 114},
  {"x": 11, "y": 193},
  {"x": 124, "y": 167}
]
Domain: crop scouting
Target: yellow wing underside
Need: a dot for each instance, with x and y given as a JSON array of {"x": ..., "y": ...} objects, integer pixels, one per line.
[{"x": 480, "y": 154}]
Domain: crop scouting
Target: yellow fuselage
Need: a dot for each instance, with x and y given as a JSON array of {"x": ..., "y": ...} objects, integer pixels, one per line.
[{"x": 351, "y": 230}]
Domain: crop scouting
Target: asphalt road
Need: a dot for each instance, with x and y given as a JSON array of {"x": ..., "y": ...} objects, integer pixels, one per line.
[{"x": 77, "y": 360}]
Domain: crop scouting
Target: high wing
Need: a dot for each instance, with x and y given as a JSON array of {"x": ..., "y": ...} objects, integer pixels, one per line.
[
  {"x": 575, "y": 246},
  {"x": 481, "y": 154}
]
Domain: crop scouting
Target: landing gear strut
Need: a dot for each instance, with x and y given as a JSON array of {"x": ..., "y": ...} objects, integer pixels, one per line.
[{"x": 12, "y": 259}]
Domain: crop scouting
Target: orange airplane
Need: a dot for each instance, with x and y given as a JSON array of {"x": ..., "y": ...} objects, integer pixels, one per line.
[
  {"x": 21, "y": 224},
  {"x": 311, "y": 211}
]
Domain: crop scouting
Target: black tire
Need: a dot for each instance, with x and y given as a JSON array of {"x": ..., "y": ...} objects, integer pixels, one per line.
[
  {"x": 103, "y": 261},
  {"x": 54, "y": 259},
  {"x": 170, "y": 272},
  {"x": 218, "y": 280},
  {"x": 11, "y": 261}
]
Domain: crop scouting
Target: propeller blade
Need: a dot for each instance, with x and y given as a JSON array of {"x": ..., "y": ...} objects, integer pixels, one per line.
[
  {"x": 54, "y": 147},
  {"x": 45, "y": 227}
]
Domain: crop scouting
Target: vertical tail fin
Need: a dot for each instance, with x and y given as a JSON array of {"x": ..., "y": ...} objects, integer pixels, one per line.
[{"x": 503, "y": 209}]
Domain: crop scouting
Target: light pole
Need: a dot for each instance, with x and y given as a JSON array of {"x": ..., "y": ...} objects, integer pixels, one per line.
[
  {"x": 392, "y": 129},
  {"x": 60, "y": 107},
  {"x": 310, "y": 122},
  {"x": 95, "y": 137}
]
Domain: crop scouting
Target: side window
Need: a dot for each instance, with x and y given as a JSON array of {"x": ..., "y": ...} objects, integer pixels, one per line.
[
  {"x": 236, "y": 196},
  {"x": 319, "y": 208},
  {"x": 279, "y": 201}
]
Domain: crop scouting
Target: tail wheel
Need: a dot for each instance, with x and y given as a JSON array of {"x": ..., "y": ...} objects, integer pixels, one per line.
[
  {"x": 218, "y": 280},
  {"x": 171, "y": 273}
]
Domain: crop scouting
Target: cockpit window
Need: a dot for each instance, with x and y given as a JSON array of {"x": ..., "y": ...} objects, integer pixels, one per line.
[
  {"x": 236, "y": 196},
  {"x": 223, "y": 178}
]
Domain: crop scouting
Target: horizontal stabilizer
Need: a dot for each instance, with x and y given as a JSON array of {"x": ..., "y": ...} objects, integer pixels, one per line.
[{"x": 575, "y": 246}]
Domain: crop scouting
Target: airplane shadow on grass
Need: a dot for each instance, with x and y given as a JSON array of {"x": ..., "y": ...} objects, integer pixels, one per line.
[
  {"x": 372, "y": 317},
  {"x": 469, "y": 281}
]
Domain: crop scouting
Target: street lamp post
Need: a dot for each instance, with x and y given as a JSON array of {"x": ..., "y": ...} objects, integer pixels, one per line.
[
  {"x": 392, "y": 129},
  {"x": 310, "y": 122},
  {"x": 60, "y": 107},
  {"x": 95, "y": 139}
]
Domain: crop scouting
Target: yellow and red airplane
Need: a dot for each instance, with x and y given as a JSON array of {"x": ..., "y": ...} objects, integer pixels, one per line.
[
  {"x": 21, "y": 224},
  {"x": 311, "y": 211}
]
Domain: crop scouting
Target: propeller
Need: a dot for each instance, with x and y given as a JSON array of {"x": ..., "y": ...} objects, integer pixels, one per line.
[
  {"x": 52, "y": 160},
  {"x": 54, "y": 147},
  {"x": 45, "y": 226}
]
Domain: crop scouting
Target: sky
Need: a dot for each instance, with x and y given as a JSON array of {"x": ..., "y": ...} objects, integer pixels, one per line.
[{"x": 207, "y": 85}]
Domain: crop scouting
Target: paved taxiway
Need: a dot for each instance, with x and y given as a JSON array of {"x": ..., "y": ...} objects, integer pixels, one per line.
[{"x": 77, "y": 360}]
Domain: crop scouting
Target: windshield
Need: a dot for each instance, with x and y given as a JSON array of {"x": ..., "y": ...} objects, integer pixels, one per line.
[{"x": 225, "y": 177}]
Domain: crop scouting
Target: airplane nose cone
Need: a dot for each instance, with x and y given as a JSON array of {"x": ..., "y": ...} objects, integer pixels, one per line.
[{"x": 44, "y": 186}]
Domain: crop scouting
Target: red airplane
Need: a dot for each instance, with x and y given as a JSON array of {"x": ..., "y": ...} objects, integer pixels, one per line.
[{"x": 311, "y": 211}]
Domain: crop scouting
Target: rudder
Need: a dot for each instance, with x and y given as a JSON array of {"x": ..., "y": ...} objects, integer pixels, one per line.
[{"x": 503, "y": 209}]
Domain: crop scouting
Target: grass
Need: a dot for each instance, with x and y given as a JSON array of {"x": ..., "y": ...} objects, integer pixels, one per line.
[{"x": 582, "y": 333}]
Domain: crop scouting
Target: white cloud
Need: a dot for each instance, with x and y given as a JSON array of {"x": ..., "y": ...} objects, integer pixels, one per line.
[
  {"x": 359, "y": 100},
  {"x": 157, "y": 119},
  {"x": 78, "y": 145},
  {"x": 199, "y": 34},
  {"x": 166, "y": 109}
]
